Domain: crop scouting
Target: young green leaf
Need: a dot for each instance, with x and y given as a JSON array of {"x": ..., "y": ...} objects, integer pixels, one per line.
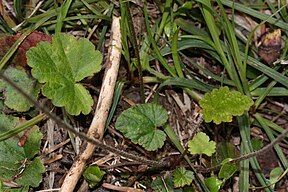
[
  {"x": 275, "y": 175},
  {"x": 140, "y": 125},
  {"x": 200, "y": 144},
  {"x": 60, "y": 66},
  {"x": 257, "y": 144},
  {"x": 182, "y": 177},
  {"x": 17, "y": 155},
  {"x": 221, "y": 104},
  {"x": 93, "y": 175},
  {"x": 13, "y": 99},
  {"x": 213, "y": 184},
  {"x": 227, "y": 170}
]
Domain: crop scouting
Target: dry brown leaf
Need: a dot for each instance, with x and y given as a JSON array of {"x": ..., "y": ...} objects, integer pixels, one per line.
[
  {"x": 270, "y": 47},
  {"x": 31, "y": 40}
]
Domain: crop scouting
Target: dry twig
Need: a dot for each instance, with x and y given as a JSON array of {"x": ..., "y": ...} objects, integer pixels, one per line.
[{"x": 118, "y": 188}]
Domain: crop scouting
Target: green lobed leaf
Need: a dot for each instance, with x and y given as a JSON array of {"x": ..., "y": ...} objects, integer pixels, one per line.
[
  {"x": 221, "y": 104},
  {"x": 200, "y": 144},
  {"x": 93, "y": 175},
  {"x": 13, "y": 99},
  {"x": 17, "y": 155},
  {"x": 140, "y": 125},
  {"x": 182, "y": 177},
  {"x": 61, "y": 65}
]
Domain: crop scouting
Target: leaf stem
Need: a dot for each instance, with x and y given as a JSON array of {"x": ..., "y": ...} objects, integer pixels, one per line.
[{"x": 136, "y": 52}]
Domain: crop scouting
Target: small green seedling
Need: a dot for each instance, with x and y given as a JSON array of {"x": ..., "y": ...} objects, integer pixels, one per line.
[
  {"x": 93, "y": 175},
  {"x": 222, "y": 104},
  {"x": 227, "y": 170},
  {"x": 213, "y": 184},
  {"x": 200, "y": 144},
  {"x": 275, "y": 175},
  {"x": 140, "y": 125},
  {"x": 182, "y": 177},
  {"x": 60, "y": 66}
]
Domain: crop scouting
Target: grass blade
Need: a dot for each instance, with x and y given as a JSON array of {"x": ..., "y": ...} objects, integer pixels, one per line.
[
  {"x": 271, "y": 137},
  {"x": 268, "y": 71},
  {"x": 209, "y": 19},
  {"x": 117, "y": 95},
  {"x": 275, "y": 92},
  {"x": 105, "y": 28},
  {"x": 170, "y": 69},
  {"x": 234, "y": 48},
  {"x": 187, "y": 83},
  {"x": 244, "y": 172},
  {"x": 18, "y": 8},
  {"x": 244, "y": 126},
  {"x": 165, "y": 14},
  {"x": 255, "y": 13},
  {"x": 6, "y": 27},
  {"x": 22, "y": 127},
  {"x": 175, "y": 56},
  {"x": 62, "y": 15}
]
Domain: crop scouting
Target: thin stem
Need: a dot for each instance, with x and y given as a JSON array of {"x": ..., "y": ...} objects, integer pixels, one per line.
[{"x": 136, "y": 52}]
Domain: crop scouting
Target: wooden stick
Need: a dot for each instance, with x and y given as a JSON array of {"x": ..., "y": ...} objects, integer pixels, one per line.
[{"x": 104, "y": 103}]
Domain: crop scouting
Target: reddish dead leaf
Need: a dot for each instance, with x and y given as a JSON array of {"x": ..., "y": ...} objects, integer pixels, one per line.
[
  {"x": 270, "y": 47},
  {"x": 31, "y": 40}
]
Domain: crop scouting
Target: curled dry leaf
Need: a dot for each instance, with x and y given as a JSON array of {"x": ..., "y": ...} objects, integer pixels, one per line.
[
  {"x": 270, "y": 47},
  {"x": 30, "y": 41}
]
